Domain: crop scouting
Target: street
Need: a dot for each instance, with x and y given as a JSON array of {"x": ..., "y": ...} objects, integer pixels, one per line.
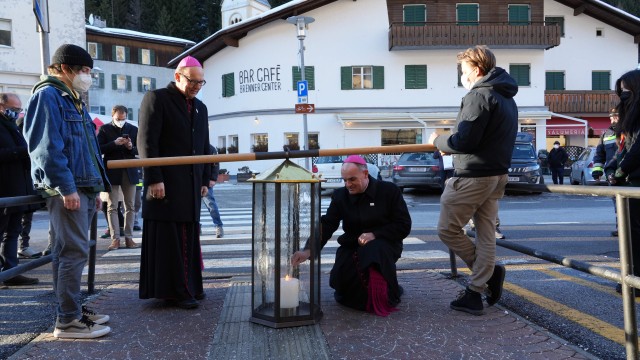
[{"x": 579, "y": 308}]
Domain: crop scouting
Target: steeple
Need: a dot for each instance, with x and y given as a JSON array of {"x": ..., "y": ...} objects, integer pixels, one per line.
[{"x": 234, "y": 11}]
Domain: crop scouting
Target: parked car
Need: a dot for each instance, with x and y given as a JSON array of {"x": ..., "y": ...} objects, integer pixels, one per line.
[
  {"x": 581, "y": 169},
  {"x": 525, "y": 165},
  {"x": 329, "y": 167},
  {"x": 573, "y": 151},
  {"x": 417, "y": 170}
]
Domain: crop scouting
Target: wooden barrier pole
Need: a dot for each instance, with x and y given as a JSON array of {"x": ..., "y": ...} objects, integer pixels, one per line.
[{"x": 204, "y": 159}]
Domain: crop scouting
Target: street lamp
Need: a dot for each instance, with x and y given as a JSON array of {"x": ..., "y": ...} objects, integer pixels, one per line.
[{"x": 301, "y": 23}]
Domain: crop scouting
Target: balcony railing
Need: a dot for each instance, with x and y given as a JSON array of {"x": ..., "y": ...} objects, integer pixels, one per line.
[
  {"x": 579, "y": 102},
  {"x": 448, "y": 35}
]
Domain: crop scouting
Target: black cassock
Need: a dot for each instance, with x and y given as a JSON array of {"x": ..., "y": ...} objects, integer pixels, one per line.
[
  {"x": 381, "y": 210},
  {"x": 170, "y": 265}
]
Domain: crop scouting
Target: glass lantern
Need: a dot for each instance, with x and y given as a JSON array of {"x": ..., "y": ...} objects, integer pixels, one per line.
[{"x": 286, "y": 216}]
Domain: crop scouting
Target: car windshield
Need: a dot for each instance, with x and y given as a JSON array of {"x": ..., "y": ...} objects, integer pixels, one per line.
[
  {"x": 523, "y": 151},
  {"x": 330, "y": 159},
  {"x": 422, "y": 158}
]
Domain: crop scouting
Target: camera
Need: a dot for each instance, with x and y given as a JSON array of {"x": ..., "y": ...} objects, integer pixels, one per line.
[{"x": 126, "y": 136}]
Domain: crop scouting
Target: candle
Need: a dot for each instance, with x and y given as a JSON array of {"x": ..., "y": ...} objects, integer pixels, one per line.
[{"x": 289, "y": 292}]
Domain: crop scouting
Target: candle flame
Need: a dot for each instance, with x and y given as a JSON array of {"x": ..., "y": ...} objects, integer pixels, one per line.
[{"x": 286, "y": 278}]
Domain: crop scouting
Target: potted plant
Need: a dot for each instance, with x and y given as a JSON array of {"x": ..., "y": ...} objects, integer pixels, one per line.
[
  {"x": 260, "y": 147},
  {"x": 223, "y": 175},
  {"x": 232, "y": 149},
  {"x": 291, "y": 146},
  {"x": 222, "y": 150}
]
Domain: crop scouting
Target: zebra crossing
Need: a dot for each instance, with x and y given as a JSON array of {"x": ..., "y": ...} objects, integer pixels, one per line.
[{"x": 233, "y": 251}]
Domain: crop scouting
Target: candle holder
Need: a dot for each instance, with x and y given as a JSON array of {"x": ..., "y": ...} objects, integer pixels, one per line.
[{"x": 286, "y": 214}]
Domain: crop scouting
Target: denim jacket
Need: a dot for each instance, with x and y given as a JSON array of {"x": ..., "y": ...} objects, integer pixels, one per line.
[{"x": 58, "y": 137}]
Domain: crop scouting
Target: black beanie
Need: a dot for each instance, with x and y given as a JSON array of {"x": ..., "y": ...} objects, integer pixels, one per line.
[{"x": 70, "y": 54}]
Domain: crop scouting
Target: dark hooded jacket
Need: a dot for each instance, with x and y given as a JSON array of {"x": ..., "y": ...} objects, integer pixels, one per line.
[{"x": 482, "y": 140}]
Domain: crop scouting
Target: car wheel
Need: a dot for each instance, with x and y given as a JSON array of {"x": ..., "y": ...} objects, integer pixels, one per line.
[{"x": 573, "y": 182}]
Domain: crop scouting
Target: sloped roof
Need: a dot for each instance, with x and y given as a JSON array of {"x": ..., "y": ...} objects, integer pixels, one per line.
[
  {"x": 137, "y": 35},
  {"x": 231, "y": 35}
]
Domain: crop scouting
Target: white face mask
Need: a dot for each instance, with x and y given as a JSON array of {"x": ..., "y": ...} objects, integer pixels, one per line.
[
  {"x": 119, "y": 123},
  {"x": 556, "y": 146},
  {"x": 82, "y": 82},
  {"x": 464, "y": 80}
]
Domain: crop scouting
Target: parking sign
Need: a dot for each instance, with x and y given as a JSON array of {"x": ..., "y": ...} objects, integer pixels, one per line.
[{"x": 303, "y": 88}]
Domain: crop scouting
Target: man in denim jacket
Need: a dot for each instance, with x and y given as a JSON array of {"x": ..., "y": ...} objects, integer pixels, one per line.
[{"x": 67, "y": 170}]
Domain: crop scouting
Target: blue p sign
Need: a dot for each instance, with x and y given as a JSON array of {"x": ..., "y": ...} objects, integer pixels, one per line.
[{"x": 303, "y": 87}]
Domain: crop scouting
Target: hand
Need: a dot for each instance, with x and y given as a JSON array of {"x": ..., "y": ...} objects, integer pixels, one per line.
[
  {"x": 364, "y": 238},
  {"x": 212, "y": 183},
  {"x": 203, "y": 191},
  {"x": 157, "y": 190},
  {"x": 71, "y": 201},
  {"x": 299, "y": 257},
  {"x": 129, "y": 144},
  {"x": 121, "y": 141}
]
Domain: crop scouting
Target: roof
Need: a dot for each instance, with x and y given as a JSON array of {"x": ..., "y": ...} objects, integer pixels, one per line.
[
  {"x": 137, "y": 35},
  {"x": 231, "y": 35}
]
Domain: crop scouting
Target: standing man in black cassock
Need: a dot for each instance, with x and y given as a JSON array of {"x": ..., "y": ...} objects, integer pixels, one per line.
[
  {"x": 375, "y": 220},
  {"x": 173, "y": 123}
]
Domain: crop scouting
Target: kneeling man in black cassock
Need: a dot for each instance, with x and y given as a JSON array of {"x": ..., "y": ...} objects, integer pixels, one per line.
[{"x": 375, "y": 220}]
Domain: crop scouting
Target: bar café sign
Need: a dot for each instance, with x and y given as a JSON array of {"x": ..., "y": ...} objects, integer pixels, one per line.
[{"x": 260, "y": 79}]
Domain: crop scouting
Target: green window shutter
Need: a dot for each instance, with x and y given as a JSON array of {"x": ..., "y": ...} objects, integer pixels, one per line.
[
  {"x": 153, "y": 83},
  {"x": 139, "y": 56},
  {"x": 378, "y": 77},
  {"x": 101, "y": 80},
  {"x": 467, "y": 14},
  {"x": 113, "y": 53},
  {"x": 555, "y": 20},
  {"x": 139, "y": 84},
  {"x": 100, "y": 51},
  {"x": 519, "y": 14},
  {"x": 128, "y": 83},
  {"x": 414, "y": 15},
  {"x": 521, "y": 73},
  {"x": 103, "y": 110},
  {"x": 345, "y": 78},
  {"x": 127, "y": 55},
  {"x": 153, "y": 57},
  {"x": 114, "y": 82},
  {"x": 129, "y": 113},
  {"x": 601, "y": 80},
  {"x": 228, "y": 85},
  {"x": 295, "y": 75},
  {"x": 415, "y": 76},
  {"x": 309, "y": 75},
  {"x": 554, "y": 80}
]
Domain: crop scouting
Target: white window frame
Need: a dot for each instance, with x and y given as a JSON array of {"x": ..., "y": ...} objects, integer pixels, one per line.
[
  {"x": 145, "y": 56},
  {"x": 6, "y": 25},
  {"x": 121, "y": 55},
  {"x": 362, "y": 74},
  {"x": 146, "y": 81},
  {"x": 121, "y": 80},
  {"x": 92, "y": 49}
]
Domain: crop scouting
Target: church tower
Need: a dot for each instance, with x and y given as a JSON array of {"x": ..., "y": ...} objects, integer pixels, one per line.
[{"x": 234, "y": 11}]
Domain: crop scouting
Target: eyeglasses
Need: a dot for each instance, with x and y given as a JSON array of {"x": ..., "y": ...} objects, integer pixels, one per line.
[
  {"x": 17, "y": 110},
  {"x": 194, "y": 82}
]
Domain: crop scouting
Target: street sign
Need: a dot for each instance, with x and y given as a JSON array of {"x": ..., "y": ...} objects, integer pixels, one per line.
[
  {"x": 303, "y": 99},
  {"x": 305, "y": 108},
  {"x": 303, "y": 88},
  {"x": 41, "y": 10}
]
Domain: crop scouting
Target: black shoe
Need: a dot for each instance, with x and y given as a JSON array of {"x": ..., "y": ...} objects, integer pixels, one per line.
[
  {"x": 187, "y": 304},
  {"x": 21, "y": 280},
  {"x": 136, "y": 228},
  {"x": 106, "y": 235},
  {"x": 201, "y": 296},
  {"x": 619, "y": 288},
  {"x": 469, "y": 301},
  {"x": 495, "y": 284},
  {"x": 614, "y": 233}
]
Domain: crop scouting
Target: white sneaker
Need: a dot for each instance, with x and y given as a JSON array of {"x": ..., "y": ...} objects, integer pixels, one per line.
[
  {"x": 499, "y": 234},
  {"x": 96, "y": 318},
  {"x": 80, "y": 329},
  {"x": 219, "y": 232},
  {"x": 27, "y": 253}
]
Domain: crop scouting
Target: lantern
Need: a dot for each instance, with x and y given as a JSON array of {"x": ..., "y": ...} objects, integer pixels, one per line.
[{"x": 286, "y": 216}]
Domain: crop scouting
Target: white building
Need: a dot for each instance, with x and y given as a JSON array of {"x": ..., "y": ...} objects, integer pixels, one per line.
[
  {"x": 377, "y": 79},
  {"x": 20, "y": 55}
]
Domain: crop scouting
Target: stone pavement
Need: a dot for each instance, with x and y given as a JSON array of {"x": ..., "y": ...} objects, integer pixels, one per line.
[{"x": 424, "y": 328}]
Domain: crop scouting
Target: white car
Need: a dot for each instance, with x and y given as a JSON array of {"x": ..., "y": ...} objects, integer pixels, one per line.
[{"x": 329, "y": 167}]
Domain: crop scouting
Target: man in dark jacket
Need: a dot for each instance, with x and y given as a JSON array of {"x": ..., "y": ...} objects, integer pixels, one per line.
[
  {"x": 481, "y": 143},
  {"x": 173, "y": 122},
  {"x": 210, "y": 201},
  {"x": 14, "y": 181},
  {"x": 557, "y": 158},
  {"x": 118, "y": 142},
  {"x": 605, "y": 151}
]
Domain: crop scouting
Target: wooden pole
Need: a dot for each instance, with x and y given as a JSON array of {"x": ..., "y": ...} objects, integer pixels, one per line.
[{"x": 205, "y": 159}]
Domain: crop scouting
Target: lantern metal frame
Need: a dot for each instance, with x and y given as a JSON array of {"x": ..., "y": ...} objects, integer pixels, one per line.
[{"x": 267, "y": 276}]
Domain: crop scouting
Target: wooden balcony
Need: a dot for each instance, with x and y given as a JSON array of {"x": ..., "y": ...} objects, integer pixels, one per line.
[
  {"x": 452, "y": 36},
  {"x": 580, "y": 102}
]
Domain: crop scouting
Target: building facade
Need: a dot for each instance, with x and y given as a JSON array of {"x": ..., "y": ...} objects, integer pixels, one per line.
[{"x": 391, "y": 77}]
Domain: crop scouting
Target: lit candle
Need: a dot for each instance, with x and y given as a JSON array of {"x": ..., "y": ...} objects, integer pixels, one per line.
[{"x": 289, "y": 292}]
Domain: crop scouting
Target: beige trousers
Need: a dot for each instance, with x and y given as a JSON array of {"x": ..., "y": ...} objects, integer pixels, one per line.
[
  {"x": 462, "y": 199},
  {"x": 128, "y": 194}
]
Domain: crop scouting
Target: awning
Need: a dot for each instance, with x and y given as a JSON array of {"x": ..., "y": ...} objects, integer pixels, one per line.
[
  {"x": 599, "y": 124},
  {"x": 564, "y": 126}
]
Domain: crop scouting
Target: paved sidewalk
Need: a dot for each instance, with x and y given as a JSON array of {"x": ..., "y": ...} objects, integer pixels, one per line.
[{"x": 424, "y": 328}]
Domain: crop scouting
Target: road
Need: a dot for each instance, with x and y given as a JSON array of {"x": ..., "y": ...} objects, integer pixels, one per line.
[{"x": 579, "y": 308}]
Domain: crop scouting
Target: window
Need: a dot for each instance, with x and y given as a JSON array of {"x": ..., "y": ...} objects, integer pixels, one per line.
[
  {"x": 129, "y": 114},
  {"x": 414, "y": 15},
  {"x": 291, "y": 140},
  {"x": 459, "y": 75},
  {"x": 235, "y": 18},
  {"x": 519, "y": 14},
  {"x": 599, "y": 32},
  {"x": 467, "y": 14},
  {"x": 554, "y": 80},
  {"x": 312, "y": 141},
  {"x": 95, "y": 50},
  {"x": 146, "y": 83},
  {"x": 97, "y": 110},
  {"x": 521, "y": 73},
  {"x": 309, "y": 75},
  {"x": 121, "y": 82},
  {"x": 228, "y": 85},
  {"x": 233, "y": 144},
  {"x": 555, "y": 20},
  {"x": 415, "y": 76},
  {"x": 5, "y": 32},
  {"x": 98, "y": 79},
  {"x": 401, "y": 136},
  {"x": 362, "y": 77},
  {"x": 600, "y": 80},
  {"x": 146, "y": 57},
  {"x": 120, "y": 53},
  {"x": 260, "y": 142}
]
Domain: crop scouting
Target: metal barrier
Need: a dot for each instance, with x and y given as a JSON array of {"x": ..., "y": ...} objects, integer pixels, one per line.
[
  {"x": 35, "y": 263},
  {"x": 625, "y": 277}
]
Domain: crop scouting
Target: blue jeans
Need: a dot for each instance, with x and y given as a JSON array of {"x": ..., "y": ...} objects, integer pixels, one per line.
[
  {"x": 210, "y": 203},
  {"x": 9, "y": 229},
  {"x": 69, "y": 231}
]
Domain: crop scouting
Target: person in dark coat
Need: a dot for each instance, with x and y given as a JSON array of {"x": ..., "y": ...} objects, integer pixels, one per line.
[
  {"x": 173, "y": 122},
  {"x": 15, "y": 180},
  {"x": 375, "y": 220},
  {"x": 557, "y": 158},
  {"x": 118, "y": 141}
]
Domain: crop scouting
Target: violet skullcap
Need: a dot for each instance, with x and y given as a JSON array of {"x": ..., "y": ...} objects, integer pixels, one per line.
[
  {"x": 355, "y": 159},
  {"x": 189, "y": 61}
]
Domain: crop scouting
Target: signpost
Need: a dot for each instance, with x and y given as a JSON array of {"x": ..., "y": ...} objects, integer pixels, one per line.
[
  {"x": 303, "y": 92},
  {"x": 41, "y": 11},
  {"x": 305, "y": 108}
]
